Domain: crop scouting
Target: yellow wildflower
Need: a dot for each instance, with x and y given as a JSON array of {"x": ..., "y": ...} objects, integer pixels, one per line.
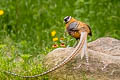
[
  {"x": 1, "y": 12},
  {"x": 53, "y": 33},
  {"x": 55, "y": 39}
]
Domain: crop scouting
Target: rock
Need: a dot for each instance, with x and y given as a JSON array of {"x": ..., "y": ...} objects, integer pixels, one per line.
[{"x": 104, "y": 59}]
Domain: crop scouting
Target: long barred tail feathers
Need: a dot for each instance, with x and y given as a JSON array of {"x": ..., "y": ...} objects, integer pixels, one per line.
[
  {"x": 76, "y": 51},
  {"x": 84, "y": 49}
]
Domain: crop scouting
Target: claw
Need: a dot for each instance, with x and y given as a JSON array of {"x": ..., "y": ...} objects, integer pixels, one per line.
[
  {"x": 77, "y": 67},
  {"x": 105, "y": 65},
  {"x": 112, "y": 72}
]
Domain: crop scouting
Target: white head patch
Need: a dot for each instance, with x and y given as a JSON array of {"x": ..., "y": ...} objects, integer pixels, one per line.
[{"x": 67, "y": 19}]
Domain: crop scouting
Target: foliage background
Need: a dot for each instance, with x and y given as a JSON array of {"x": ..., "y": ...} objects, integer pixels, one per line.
[{"x": 26, "y": 25}]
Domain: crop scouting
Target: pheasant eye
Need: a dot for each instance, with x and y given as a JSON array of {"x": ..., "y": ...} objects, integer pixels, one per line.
[{"x": 65, "y": 20}]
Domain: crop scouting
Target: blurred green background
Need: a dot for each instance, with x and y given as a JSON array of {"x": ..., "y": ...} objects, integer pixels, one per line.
[{"x": 26, "y": 25}]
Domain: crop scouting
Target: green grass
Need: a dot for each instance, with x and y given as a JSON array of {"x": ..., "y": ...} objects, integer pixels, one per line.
[{"x": 26, "y": 25}]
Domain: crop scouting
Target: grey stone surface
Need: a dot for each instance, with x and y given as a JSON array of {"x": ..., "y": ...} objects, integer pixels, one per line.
[{"x": 104, "y": 59}]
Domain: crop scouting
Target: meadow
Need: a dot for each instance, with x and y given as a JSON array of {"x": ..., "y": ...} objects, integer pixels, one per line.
[{"x": 29, "y": 29}]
